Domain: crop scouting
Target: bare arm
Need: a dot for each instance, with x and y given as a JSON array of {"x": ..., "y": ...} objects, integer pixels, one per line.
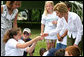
[
  {"x": 65, "y": 33},
  {"x": 59, "y": 38},
  {"x": 24, "y": 45},
  {"x": 15, "y": 21},
  {"x": 1, "y": 9},
  {"x": 30, "y": 49},
  {"x": 42, "y": 28}
]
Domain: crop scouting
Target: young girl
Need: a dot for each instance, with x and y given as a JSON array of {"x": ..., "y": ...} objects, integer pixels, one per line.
[
  {"x": 9, "y": 13},
  {"x": 14, "y": 46},
  {"x": 48, "y": 23}
]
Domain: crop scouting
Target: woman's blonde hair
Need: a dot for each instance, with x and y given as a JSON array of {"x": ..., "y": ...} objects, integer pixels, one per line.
[
  {"x": 10, "y": 34},
  {"x": 46, "y": 2},
  {"x": 61, "y": 7},
  {"x": 10, "y": 4}
]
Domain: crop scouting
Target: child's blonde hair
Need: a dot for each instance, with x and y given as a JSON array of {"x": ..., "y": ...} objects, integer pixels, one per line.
[
  {"x": 61, "y": 7},
  {"x": 46, "y": 2}
]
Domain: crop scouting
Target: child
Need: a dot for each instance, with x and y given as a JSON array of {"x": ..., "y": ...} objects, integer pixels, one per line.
[
  {"x": 49, "y": 52},
  {"x": 14, "y": 46},
  {"x": 48, "y": 22},
  {"x": 26, "y": 38},
  {"x": 60, "y": 52},
  {"x": 42, "y": 51},
  {"x": 72, "y": 51}
]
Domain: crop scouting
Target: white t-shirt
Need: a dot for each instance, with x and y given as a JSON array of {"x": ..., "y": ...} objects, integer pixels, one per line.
[
  {"x": 11, "y": 50},
  {"x": 47, "y": 21}
]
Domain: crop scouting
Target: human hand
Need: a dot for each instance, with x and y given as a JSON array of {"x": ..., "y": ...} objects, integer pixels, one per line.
[
  {"x": 44, "y": 35},
  {"x": 39, "y": 38},
  {"x": 75, "y": 45},
  {"x": 60, "y": 39},
  {"x": 41, "y": 33},
  {"x": 54, "y": 22},
  {"x": 35, "y": 42}
]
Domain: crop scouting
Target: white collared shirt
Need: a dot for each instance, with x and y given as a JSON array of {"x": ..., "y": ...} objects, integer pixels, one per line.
[{"x": 75, "y": 27}]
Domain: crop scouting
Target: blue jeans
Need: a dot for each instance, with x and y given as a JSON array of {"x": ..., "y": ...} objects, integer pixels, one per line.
[{"x": 60, "y": 46}]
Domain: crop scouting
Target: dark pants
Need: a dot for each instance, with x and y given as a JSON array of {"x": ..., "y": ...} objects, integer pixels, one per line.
[{"x": 71, "y": 41}]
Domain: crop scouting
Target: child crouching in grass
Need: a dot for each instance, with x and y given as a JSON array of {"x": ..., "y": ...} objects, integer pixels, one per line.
[
  {"x": 14, "y": 46},
  {"x": 26, "y": 38}
]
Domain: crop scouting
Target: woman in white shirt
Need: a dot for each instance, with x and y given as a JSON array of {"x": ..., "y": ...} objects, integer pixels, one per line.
[
  {"x": 14, "y": 46},
  {"x": 48, "y": 21},
  {"x": 74, "y": 24},
  {"x": 9, "y": 13}
]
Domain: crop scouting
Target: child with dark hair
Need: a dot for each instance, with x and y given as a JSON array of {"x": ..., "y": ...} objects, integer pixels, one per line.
[
  {"x": 48, "y": 52},
  {"x": 60, "y": 52},
  {"x": 26, "y": 38},
  {"x": 42, "y": 51}
]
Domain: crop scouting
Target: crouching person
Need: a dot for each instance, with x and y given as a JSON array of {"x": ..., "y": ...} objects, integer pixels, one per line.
[
  {"x": 26, "y": 37},
  {"x": 14, "y": 46}
]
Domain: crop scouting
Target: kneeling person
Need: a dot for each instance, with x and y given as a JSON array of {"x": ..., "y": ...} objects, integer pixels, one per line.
[{"x": 26, "y": 38}]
